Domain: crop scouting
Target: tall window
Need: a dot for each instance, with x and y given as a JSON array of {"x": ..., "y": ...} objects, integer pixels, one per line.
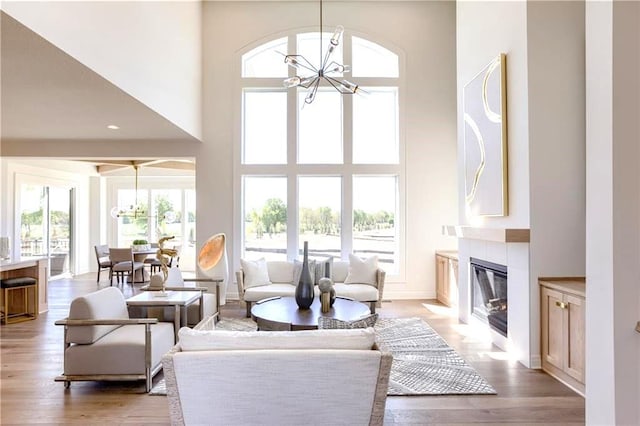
[
  {"x": 328, "y": 173},
  {"x": 168, "y": 211}
]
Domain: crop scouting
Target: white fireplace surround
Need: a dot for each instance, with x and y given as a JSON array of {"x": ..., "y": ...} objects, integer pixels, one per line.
[{"x": 522, "y": 327}]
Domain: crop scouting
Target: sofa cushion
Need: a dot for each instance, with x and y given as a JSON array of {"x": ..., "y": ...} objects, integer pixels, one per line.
[
  {"x": 254, "y": 294},
  {"x": 281, "y": 271},
  {"x": 362, "y": 271},
  {"x": 359, "y": 292},
  {"x": 255, "y": 272},
  {"x": 203, "y": 340},
  {"x": 334, "y": 323},
  {"x": 339, "y": 271},
  {"x": 107, "y": 303},
  {"x": 120, "y": 352}
]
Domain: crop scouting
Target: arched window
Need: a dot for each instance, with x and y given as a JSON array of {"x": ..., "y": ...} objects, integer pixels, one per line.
[{"x": 329, "y": 172}]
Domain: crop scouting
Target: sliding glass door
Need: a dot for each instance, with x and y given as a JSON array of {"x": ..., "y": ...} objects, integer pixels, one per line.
[
  {"x": 165, "y": 212},
  {"x": 45, "y": 225}
]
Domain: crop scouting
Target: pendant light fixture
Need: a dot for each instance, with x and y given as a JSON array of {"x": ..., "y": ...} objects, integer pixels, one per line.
[
  {"x": 310, "y": 77},
  {"x": 136, "y": 211}
]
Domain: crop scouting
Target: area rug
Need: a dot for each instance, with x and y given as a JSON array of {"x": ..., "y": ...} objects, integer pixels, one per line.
[{"x": 423, "y": 363}]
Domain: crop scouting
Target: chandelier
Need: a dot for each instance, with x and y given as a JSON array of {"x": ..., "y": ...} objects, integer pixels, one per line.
[
  {"x": 311, "y": 77},
  {"x": 135, "y": 210}
]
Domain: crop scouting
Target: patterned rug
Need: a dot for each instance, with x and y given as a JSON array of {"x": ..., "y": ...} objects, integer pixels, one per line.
[{"x": 423, "y": 363}]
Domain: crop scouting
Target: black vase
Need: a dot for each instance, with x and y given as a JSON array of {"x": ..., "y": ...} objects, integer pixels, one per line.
[
  {"x": 327, "y": 274},
  {"x": 304, "y": 289}
]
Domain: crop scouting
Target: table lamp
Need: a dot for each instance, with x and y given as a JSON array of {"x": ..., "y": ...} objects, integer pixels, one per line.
[{"x": 212, "y": 260}]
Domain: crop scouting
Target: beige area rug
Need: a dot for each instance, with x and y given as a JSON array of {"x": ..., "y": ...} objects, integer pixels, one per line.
[{"x": 423, "y": 363}]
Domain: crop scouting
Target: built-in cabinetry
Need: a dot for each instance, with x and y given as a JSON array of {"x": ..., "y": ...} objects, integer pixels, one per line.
[
  {"x": 447, "y": 277},
  {"x": 562, "y": 320}
]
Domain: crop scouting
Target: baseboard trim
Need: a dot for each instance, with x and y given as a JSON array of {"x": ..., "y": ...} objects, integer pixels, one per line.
[{"x": 536, "y": 362}]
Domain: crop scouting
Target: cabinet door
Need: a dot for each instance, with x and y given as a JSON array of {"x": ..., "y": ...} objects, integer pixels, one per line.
[
  {"x": 442, "y": 291},
  {"x": 453, "y": 282},
  {"x": 574, "y": 341},
  {"x": 552, "y": 327}
]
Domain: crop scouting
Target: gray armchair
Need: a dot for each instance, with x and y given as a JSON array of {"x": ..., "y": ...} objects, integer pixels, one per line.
[{"x": 101, "y": 342}]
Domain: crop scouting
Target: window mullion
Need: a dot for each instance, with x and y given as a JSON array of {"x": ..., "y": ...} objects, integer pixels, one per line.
[
  {"x": 347, "y": 155},
  {"x": 292, "y": 160}
]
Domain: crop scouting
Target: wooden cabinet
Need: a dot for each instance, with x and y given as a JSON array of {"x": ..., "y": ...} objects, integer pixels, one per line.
[
  {"x": 562, "y": 320},
  {"x": 447, "y": 277}
]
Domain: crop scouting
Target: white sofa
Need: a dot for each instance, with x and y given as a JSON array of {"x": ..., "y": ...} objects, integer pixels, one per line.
[
  {"x": 101, "y": 342},
  {"x": 283, "y": 283},
  {"x": 311, "y": 377}
]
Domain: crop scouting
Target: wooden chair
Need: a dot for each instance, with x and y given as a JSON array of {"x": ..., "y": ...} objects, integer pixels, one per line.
[
  {"x": 102, "y": 257},
  {"x": 123, "y": 262},
  {"x": 155, "y": 265}
]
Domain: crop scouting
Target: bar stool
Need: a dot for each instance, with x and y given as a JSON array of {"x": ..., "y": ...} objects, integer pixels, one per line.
[{"x": 25, "y": 286}]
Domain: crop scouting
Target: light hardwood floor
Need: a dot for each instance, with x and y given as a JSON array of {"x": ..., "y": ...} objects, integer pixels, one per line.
[{"x": 31, "y": 356}]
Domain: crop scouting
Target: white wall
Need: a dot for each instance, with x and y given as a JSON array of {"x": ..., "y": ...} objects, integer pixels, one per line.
[
  {"x": 484, "y": 30},
  {"x": 613, "y": 212},
  {"x": 151, "y": 50},
  {"x": 556, "y": 85},
  {"x": 544, "y": 45},
  {"x": 426, "y": 34}
]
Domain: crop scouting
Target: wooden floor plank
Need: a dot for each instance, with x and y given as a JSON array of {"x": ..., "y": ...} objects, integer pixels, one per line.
[{"x": 31, "y": 356}]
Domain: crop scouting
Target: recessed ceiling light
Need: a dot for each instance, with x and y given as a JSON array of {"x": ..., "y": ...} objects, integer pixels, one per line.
[{"x": 113, "y": 127}]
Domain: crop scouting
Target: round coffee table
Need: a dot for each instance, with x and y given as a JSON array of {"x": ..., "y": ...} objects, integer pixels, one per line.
[{"x": 282, "y": 313}]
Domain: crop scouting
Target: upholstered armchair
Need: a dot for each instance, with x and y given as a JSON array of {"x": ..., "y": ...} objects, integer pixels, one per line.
[
  {"x": 124, "y": 263},
  {"x": 102, "y": 257},
  {"x": 101, "y": 342}
]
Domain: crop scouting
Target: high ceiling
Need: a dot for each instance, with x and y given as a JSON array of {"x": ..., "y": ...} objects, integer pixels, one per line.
[{"x": 48, "y": 95}]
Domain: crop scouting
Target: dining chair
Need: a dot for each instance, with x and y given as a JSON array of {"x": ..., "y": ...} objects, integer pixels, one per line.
[
  {"x": 155, "y": 265},
  {"x": 123, "y": 262},
  {"x": 152, "y": 262},
  {"x": 102, "y": 257}
]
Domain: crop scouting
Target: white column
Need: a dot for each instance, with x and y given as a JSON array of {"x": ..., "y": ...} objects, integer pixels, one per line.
[{"x": 613, "y": 212}]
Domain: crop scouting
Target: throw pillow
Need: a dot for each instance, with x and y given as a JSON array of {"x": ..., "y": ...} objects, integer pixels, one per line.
[
  {"x": 255, "y": 272},
  {"x": 362, "y": 271},
  {"x": 322, "y": 267},
  {"x": 364, "y": 322}
]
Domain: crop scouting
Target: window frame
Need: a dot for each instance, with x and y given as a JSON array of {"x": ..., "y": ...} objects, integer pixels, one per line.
[{"x": 292, "y": 170}]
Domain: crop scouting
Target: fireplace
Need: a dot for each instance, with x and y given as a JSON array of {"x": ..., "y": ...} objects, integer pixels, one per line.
[{"x": 489, "y": 293}]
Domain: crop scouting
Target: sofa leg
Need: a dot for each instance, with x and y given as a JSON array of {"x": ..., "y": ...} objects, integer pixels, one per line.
[
  {"x": 248, "y": 305},
  {"x": 372, "y": 307},
  {"x": 67, "y": 384}
]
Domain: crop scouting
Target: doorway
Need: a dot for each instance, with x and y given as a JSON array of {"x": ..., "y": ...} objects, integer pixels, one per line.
[{"x": 45, "y": 222}]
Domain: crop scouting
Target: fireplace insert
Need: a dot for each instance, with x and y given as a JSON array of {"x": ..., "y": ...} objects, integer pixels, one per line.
[{"x": 489, "y": 293}]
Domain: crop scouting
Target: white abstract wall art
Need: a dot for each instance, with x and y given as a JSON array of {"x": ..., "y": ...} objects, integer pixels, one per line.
[{"x": 485, "y": 141}]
